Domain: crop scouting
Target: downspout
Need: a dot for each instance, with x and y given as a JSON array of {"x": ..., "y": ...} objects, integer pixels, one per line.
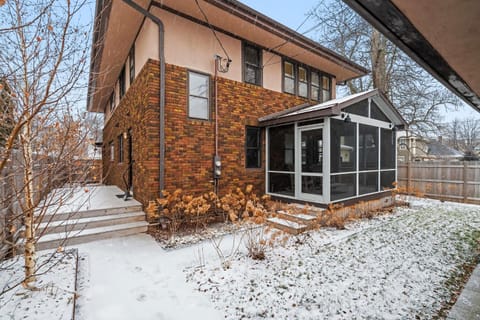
[{"x": 161, "y": 58}]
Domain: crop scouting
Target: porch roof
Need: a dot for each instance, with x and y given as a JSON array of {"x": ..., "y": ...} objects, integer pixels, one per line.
[{"x": 333, "y": 108}]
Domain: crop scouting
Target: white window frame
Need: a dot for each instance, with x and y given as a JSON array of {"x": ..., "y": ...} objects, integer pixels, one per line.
[{"x": 207, "y": 98}]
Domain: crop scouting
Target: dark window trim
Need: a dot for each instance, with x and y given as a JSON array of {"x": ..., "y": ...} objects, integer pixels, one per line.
[
  {"x": 246, "y": 44},
  {"x": 209, "y": 95},
  {"x": 131, "y": 63},
  {"x": 120, "y": 148},
  {"x": 258, "y": 148},
  {"x": 309, "y": 70},
  {"x": 121, "y": 82}
]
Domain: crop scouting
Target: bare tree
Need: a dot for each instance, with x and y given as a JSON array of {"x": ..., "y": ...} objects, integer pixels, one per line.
[
  {"x": 464, "y": 135},
  {"x": 417, "y": 95},
  {"x": 43, "y": 59}
]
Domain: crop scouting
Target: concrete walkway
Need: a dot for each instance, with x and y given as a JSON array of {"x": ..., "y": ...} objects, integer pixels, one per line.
[{"x": 467, "y": 306}]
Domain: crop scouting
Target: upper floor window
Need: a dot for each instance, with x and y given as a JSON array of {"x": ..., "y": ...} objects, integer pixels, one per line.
[
  {"x": 252, "y": 69},
  {"x": 305, "y": 82},
  {"x": 252, "y": 148},
  {"x": 121, "y": 83},
  {"x": 326, "y": 88},
  {"x": 302, "y": 82},
  {"x": 198, "y": 95},
  {"x": 315, "y": 85},
  {"x": 288, "y": 77},
  {"x": 131, "y": 64}
]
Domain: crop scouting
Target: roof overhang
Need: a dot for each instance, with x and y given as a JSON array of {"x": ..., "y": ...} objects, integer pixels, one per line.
[
  {"x": 117, "y": 25},
  {"x": 306, "y": 112},
  {"x": 441, "y": 36}
]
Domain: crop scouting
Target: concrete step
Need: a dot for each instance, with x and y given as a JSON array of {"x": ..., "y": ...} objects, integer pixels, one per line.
[
  {"x": 88, "y": 223},
  {"x": 300, "y": 218},
  {"x": 64, "y": 239},
  {"x": 59, "y": 216},
  {"x": 286, "y": 225}
]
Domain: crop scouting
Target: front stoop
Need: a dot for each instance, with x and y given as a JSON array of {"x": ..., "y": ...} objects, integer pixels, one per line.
[{"x": 292, "y": 223}]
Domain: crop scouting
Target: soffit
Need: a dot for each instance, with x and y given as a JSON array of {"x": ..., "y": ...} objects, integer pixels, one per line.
[
  {"x": 121, "y": 29},
  {"x": 452, "y": 27}
]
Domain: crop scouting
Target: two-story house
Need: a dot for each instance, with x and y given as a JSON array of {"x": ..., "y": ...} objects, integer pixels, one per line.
[{"x": 206, "y": 95}]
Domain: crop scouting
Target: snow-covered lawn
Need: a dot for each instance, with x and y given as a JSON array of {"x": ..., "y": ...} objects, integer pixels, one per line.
[
  {"x": 396, "y": 266},
  {"x": 393, "y": 267},
  {"x": 55, "y": 288}
]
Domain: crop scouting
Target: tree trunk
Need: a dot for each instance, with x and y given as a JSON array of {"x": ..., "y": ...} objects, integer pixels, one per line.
[
  {"x": 378, "y": 56},
  {"x": 30, "y": 250}
]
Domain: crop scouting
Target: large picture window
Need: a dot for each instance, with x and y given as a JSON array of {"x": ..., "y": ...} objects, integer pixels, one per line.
[
  {"x": 252, "y": 147},
  {"x": 198, "y": 95},
  {"x": 252, "y": 64}
]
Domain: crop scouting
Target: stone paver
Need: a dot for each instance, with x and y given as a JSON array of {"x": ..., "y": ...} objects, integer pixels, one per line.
[{"x": 467, "y": 306}]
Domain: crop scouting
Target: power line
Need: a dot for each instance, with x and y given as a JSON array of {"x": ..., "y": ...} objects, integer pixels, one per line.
[
  {"x": 213, "y": 30},
  {"x": 287, "y": 41}
]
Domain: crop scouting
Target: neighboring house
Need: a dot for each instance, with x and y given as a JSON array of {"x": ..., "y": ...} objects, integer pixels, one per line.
[
  {"x": 420, "y": 149},
  {"x": 210, "y": 94}
]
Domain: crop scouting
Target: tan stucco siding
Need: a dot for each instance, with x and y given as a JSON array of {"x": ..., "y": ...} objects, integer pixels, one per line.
[
  {"x": 272, "y": 71},
  {"x": 146, "y": 45}
]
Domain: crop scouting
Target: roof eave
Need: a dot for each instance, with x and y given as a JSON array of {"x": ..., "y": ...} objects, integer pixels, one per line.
[{"x": 403, "y": 34}]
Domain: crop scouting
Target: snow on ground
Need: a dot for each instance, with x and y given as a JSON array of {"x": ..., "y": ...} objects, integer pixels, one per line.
[
  {"x": 394, "y": 267},
  {"x": 55, "y": 284},
  {"x": 134, "y": 278},
  {"x": 90, "y": 197}
]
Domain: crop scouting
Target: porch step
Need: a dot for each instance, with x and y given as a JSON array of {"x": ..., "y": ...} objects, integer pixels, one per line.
[
  {"x": 86, "y": 223},
  {"x": 61, "y": 216},
  {"x": 300, "y": 218},
  {"x": 54, "y": 240},
  {"x": 287, "y": 225}
]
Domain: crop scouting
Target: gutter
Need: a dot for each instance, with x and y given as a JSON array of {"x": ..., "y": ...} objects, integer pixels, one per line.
[{"x": 161, "y": 58}]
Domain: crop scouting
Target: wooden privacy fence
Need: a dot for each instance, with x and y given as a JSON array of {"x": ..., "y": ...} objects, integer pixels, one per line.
[{"x": 445, "y": 180}]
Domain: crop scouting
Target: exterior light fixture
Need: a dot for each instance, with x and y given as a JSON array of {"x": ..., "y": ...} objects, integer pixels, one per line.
[{"x": 347, "y": 119}]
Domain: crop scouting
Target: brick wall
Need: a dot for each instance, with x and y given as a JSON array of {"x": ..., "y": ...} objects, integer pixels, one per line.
[
  {"x": 190, "y": 143},
  {"x": 138, "y": 111}
]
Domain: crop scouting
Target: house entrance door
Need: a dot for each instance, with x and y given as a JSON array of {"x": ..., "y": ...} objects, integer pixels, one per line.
[{"x": 310, "y": 168}]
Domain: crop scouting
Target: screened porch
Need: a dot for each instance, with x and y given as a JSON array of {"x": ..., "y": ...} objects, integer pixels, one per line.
[{"x": 339, "y": 150}]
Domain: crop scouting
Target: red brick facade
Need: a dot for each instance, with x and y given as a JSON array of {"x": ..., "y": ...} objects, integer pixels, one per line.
[
  {"x": 190, "y": 143},
  {"x": 138, "y": 111}
]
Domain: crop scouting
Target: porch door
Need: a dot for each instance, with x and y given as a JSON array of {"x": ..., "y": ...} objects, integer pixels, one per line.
[{"x": 310, "y": 173}]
